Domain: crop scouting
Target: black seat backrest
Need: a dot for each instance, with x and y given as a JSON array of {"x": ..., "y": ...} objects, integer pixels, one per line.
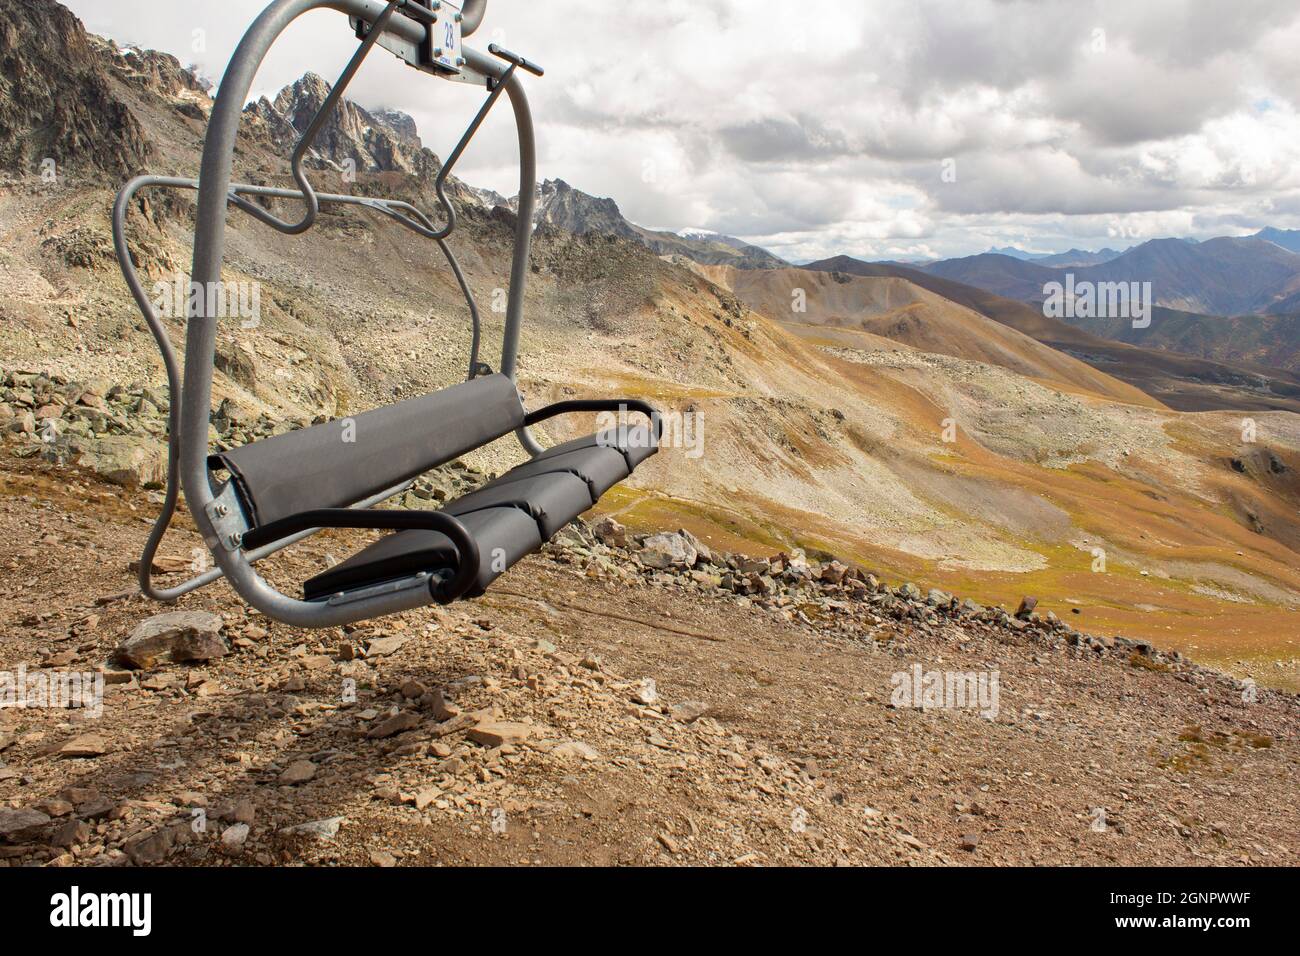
[{"x": 345, "y": 462}]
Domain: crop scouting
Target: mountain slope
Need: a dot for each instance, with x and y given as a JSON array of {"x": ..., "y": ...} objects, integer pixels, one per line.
[
  {"x": 952, "y": 471},
  {"x": 1180, "y": 381},
  {"x": 1265, "y": 341},
  {"x": 896, "y": 309},
  {"x": 56, "y": 104}
]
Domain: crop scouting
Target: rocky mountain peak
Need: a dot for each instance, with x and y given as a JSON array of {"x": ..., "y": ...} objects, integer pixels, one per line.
[
  {"x": 402, "y": 125},
  {"x": 561, "y": 206},
  {"x": 382, "y": 142},
  {"x": 57, "y": 101}
]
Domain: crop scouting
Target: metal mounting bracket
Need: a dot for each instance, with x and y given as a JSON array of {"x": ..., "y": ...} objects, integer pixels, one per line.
[{"x": 226, "y": 515}]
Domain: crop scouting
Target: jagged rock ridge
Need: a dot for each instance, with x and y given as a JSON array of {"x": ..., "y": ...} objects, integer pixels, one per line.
[
  {"x": 560, "y": 206},
  {"x": 56, "y": 102}
]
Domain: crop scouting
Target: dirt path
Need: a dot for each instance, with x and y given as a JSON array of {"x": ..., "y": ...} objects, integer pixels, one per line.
[{"x": 800, "y": 759}]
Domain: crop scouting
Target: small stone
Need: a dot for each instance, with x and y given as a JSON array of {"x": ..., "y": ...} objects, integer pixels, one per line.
[
  {"x": 382, "y": 859},
  {"x": 235, "y": 836},
  {"x": 393, "y": 726},
  {"x": 96, "y": 808},
  {"x": 493, "y": 734},
  {"x": 298, "y": 772},
  {"x": 1027, "y": 607},
  {"x": 54, "y": 807},
  {"x": 970, "y": 841},
  {"x": 610, "y": 533},
  {"x": 834, "y": 573},
  {"x": 86, "y": 746},
  {"x": 441, "y": 708},
  {"x": 647, "y": 694},
  {"x": 385, "y": 646},
  {"x": 323, "y": 830},
  {"x": 689, "y": 711},
  {"x": 576, "y": 749},
  {"x": 244, "y": 811},
  {"x": 182, "y": 636},
  {"x": 16, "y": 825},
  {"x": 72, "y": 833},
  {"x": 664, "y": 551},
  {"x": 154, "y": 847}
]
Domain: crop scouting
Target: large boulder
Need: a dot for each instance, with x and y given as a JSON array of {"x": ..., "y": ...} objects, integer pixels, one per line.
[
  {"x": 181, "y": 636},
  {"x": 130, "y": 462},
  {"x": 664, "y": 551},
  {"x": 18, "y": 825}
]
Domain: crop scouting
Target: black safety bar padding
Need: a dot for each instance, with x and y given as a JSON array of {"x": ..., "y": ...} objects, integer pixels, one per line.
[
  {"x": 580, "y": 406},
  {"x": 444, "y": 592},
  {"x": 341, "y": 463}
]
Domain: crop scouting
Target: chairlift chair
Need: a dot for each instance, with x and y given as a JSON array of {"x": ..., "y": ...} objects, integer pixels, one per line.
[{"x": 252, "y": 502}]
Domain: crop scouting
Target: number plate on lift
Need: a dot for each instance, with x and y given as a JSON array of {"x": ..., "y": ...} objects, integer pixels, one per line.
[
  {"x": 443, "y": 53},
  {"x": 446, "y": 38}
]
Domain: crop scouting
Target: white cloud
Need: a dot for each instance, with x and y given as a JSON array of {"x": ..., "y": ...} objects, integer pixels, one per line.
[{"x": 1071, "y": 122}]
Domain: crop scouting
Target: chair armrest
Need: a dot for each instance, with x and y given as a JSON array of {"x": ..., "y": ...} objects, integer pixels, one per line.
[
  {"x": 601, "y": 405},
  {"x": 444, "y": 593}
]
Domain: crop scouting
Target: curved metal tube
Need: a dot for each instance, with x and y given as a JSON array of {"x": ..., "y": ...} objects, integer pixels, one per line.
[
  {"x": 489, "y": 65},
  {"x": 473, "y": 13},
  {"x": 121, "y": 207},
  {"x": 308, "y": 138},
  {"x": 209, "y": 247}
]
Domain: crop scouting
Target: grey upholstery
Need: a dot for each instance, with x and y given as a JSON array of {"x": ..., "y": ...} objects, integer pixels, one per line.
[
  {"x": 635, "y": 445},
  {"x": 344, "y": 462},
  {"x": 504, "y": 535},
  {"x": 552, "y": 500},
  {"x": 509, "y": 518},
  {"x": 600, "y": 468}
]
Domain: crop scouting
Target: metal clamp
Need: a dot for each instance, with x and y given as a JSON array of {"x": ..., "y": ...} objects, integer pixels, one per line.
[{"x": 226, "y": 515}]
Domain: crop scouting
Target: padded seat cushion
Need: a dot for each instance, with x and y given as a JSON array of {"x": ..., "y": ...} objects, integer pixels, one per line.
[
  {"x": 341, "y": 463},
  {"x": 509, "y": 519},
  {"x": 635, "y": 444},
  {"x": 552, "y": 500},
  {"x": 600, "y": 468},
  {"x": 505, "y": 537}
]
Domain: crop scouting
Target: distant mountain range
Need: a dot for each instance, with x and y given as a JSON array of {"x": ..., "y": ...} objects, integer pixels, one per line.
[
  {"x": 1075, "y": 257},
  {"x": 1225, "y": 276},
  {"x": 1286, "y": 238}
]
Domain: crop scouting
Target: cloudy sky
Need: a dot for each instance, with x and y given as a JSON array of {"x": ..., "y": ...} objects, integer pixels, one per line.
[{"x": 881, "y": 129}]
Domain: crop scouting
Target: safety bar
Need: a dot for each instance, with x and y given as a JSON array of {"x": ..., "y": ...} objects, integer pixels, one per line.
[
  {"x": 504, "y": 54},
  {"x": 444, "y": 592},
  {"x": 308, "y": 138},
  {"x": 600, "y": 405}
]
